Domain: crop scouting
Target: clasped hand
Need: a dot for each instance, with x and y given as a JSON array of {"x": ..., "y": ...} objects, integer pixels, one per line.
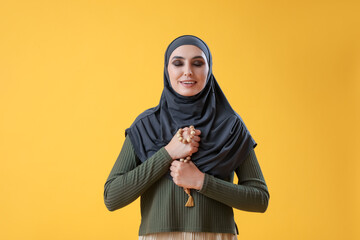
[{"x": 185, "y": 175}]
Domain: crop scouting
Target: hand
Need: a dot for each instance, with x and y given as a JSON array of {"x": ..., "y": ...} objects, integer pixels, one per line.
[
  {"x": 177, "y": 149},
  {"x": 186, "y": 175}
]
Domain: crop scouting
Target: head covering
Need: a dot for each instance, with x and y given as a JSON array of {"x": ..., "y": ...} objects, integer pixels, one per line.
[{"x": 225, "y": 140}]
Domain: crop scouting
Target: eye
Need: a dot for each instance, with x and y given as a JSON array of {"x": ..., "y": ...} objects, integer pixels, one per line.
[
  {"x": 177, "y": 63},
  {"x": 198, "y": 63}
]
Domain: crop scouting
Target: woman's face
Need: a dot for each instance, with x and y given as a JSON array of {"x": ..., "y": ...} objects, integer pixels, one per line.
[{"x": 188, "y": 70}]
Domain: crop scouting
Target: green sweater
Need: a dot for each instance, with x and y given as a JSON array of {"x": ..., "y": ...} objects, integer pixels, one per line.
[{"x": 163, "y": 203}]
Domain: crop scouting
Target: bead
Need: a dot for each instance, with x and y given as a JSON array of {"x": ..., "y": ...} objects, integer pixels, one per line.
[{"x": 179, "y": 134}]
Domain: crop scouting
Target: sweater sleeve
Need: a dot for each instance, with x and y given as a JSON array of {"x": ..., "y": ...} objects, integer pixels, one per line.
[
  {"x": 129, "y": 178},
  {"x": 250, "y": 194}
]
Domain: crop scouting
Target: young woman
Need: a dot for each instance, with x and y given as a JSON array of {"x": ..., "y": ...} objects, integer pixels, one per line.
[{"x": 181, "y": 155}]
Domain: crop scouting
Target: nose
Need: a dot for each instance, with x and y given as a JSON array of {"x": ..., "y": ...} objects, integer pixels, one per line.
[{"x": 187, "y": 71}]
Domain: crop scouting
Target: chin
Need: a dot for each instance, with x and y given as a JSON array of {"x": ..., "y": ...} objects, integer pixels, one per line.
[{"x": 188, "y": 93}]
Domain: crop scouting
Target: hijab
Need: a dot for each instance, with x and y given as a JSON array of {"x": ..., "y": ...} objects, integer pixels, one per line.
[{"x": 225, "y": 140}]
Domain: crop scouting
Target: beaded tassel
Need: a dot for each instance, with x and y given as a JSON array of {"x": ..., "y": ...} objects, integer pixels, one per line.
[{"x": 190, "y": 201}]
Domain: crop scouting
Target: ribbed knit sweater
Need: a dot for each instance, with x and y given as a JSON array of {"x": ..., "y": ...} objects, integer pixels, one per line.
[{"x": 163, "y": 203}]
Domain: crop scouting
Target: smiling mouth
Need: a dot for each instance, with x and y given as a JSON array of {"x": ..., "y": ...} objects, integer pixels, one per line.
[{"x": 188, "y": 83}]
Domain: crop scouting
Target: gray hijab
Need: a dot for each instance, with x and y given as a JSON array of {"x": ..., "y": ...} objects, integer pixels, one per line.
[{"x": 225, "y": 140}]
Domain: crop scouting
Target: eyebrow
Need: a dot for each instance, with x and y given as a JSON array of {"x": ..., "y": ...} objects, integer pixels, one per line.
[{"x": 184, "y": 58}]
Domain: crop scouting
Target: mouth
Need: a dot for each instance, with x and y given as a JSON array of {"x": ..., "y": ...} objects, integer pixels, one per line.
[{"x": 188, "y": 83}]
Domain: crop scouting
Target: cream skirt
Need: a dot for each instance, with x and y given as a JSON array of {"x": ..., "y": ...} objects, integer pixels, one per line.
[{"x": 188, "y": 236}]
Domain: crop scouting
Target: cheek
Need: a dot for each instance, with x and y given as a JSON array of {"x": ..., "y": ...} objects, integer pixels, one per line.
[
  {"x": 203, "y": 74},
  {"x": 173, "y": 73},
  {"x": 173, "y": 76}
]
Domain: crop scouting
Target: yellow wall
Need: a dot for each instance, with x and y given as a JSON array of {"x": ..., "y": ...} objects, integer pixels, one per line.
[{"x": 75, "y": 74}]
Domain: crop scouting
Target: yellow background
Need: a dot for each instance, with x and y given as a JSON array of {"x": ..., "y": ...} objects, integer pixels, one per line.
[{"x": 75, "y": 74}]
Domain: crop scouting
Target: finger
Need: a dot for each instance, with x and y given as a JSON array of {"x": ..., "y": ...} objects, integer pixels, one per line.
[
  {"x": 195, "y": 144},
  {"x": 196, "y": 138},
  {"x": 194, "y": 150},
  {"x": 185, "y": 129},
  {"x": 175, "y": 164},
  {"x": 197, "y": 132},
  {"x": 180, "y": 164}
]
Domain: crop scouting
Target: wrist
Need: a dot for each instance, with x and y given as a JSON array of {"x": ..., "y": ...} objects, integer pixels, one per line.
[
  {"x": 168, "y": 151},
  {"x": 200, "y": 182}
]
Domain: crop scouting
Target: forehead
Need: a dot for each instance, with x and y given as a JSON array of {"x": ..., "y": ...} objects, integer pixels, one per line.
[{"x": 187, "y": 51}]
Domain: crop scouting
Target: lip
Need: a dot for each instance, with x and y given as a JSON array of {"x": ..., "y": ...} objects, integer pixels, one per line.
[
  {"x": 188, "y": 80},
  {"x": 185, "y": 85}
]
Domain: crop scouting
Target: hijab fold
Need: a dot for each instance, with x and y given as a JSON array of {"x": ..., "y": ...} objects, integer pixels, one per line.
[{"x": 225, "y": 140}]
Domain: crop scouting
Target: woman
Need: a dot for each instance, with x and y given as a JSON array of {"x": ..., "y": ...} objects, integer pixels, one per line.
[{"x": 195, "y": 123}]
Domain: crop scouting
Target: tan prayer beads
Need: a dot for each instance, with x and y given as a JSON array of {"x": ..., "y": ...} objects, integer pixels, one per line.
[{"x": 190, "y": 201}]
